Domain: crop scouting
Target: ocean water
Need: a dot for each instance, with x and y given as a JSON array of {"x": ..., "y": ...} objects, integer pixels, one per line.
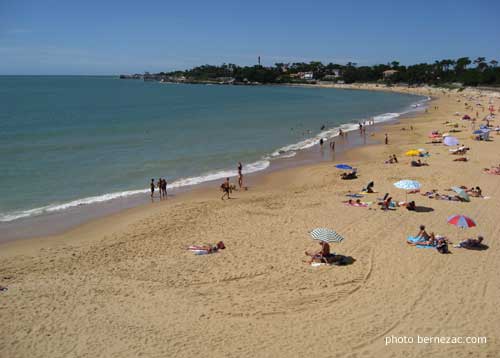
[{"x": 70, "y": 141}]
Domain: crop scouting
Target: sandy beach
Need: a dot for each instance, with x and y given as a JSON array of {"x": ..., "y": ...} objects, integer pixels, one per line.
[{"x": 125, "y": 285}]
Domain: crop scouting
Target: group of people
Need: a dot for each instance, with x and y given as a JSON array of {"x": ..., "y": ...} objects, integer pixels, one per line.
[
  {"x": 475, "y": 192},
  {"x": 350, "y": 175},
  {"x": 425, "y": 239},
  {"x": 441, "y": 243},
  {"x": 161, "y": 184},
  {"x": 227, "y": 188}
]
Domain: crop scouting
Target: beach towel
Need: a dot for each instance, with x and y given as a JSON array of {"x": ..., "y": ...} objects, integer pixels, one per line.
[
  {"x": 317, "y": 264},
  {"x": 354, "y": 195},
  {"x": 200, "y": 252},
  {"x": 415, "y": 239},
  {"x": 365, "y": 192},
  {"x": 359, "y": 205},
  {"x": 197, "y": 250}
]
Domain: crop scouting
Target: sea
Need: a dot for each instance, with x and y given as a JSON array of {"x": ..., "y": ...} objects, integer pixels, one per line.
[{"x": 72, "y": 141}]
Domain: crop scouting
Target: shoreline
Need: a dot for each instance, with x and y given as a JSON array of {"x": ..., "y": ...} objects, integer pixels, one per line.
[
  {"x": 125, "y": 285},
  {"x": 63, "y": 220}
]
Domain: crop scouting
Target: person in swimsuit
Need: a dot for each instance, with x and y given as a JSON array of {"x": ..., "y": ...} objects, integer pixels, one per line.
[
  {"x": 159, "y": 186},
  {"x": 152, "y": 185},
  {"x": 164, "y": 188},
  {"x": 240, "y": 175},
  {"x": 208, "y": 248},
  {"x": 422, "y": 234},
  {"x": 323, "y": 255},
  {"x": 226, "y": 189},
  {"x": 431, "y": 241}
]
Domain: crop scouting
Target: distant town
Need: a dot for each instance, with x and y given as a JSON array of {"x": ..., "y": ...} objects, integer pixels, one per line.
[{"x": 460, "y": 72}]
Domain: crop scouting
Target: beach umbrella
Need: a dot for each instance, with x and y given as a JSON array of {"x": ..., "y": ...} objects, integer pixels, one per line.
[
  {"x": 461, "y": 193},
  {"x": 412, "y": 153},
  {"x": 450, "y": 141},
  {"x": 343, "y": 167},
  {"x": 326, "y": 235},
  {"x": 407, "y": 185},
  {"x": 461, "y": 221}
]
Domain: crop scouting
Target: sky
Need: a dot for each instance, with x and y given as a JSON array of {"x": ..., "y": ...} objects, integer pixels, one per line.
[{"x": 105, "y": 37}]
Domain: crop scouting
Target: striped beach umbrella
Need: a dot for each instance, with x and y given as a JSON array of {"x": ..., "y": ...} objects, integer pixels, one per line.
[
  {"x": 343, "y": 167},
  {"x": 326, "y": 235},
  {"x": 461, "y": 221}
]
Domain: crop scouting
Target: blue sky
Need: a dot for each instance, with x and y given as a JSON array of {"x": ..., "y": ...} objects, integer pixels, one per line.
[{"x": 111, "y": 37}]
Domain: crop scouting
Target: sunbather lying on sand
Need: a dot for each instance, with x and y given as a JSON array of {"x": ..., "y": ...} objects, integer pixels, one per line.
[
  {"x": 461, "y": 159},
  {"x": 492, "y": 170},
  {"x": 208, "y": 248},
  {"x": 357, "y": 203},
  {"x": 435, "y": 195},
  {"x": 323, "y": 255},
  {"x": 470, "y": 243}
]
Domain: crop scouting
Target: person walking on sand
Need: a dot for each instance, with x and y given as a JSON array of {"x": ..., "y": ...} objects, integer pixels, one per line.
[
  {"x": 158, "y": 185},
  {"x": 226, "y": 189},
  {"x": 152, "y": 186},
  {"x": 386, "y": 139},
  {"x": 240, "y": 175},
  {"x": 164, "y": 188}
]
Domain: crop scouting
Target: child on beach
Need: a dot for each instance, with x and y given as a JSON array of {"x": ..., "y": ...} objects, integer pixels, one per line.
[{"x": 226, "y": 189}]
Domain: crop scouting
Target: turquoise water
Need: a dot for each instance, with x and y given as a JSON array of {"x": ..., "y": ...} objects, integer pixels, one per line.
[{"x": 67, "y": 141}]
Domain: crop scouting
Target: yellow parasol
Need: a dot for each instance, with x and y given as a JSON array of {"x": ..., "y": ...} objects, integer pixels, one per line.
[{"x": 412, "y": 153}]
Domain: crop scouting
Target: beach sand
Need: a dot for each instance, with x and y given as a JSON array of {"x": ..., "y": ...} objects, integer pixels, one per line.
[{"x": 125, "y": 286}]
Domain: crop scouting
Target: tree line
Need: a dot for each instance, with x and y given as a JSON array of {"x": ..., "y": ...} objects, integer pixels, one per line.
[{"x": 462, "y": 70}]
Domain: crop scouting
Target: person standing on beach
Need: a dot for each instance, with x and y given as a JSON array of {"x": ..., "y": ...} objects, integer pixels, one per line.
[
  {"x": 164, "y": 188},
  {"x": 332, "y": 146},
  {"x": 152, "y": 186},
  {"x": 226, "y": 189},
  {"x": 159, "y": 186},
  {"x": 386, "y": 139},
  {"x": 240, "y": 175}
]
